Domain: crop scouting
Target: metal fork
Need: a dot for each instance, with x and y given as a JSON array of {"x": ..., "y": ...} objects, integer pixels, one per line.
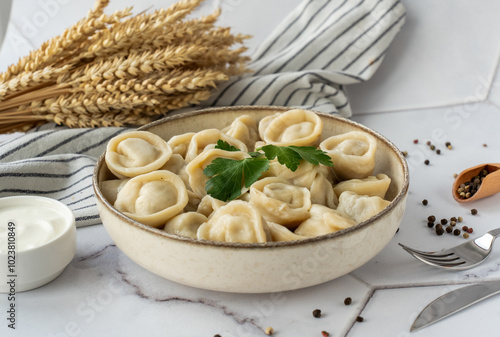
[{"x": 464, "y": 256}]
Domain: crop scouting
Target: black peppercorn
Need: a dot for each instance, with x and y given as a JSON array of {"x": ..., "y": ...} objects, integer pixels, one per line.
[
  {"x": 317, "y": 313},
  {"x": 438, "y": 151},
  {"x": 348, "y": 301},
  {"x": 456, "y": 232},
  {"x": 444, "y": 221},
  {"x": 426, "y": 162},
  {"x": 431, "y": 218},
  {"x": 359, "y": 319},
  {"x": 449, "y": 229},
  {"x": 425, "y": 202},
  {"x": 430, "y": 224},
  {"x": 473, "y": 211},
  {"x": 439, "y": 230}
]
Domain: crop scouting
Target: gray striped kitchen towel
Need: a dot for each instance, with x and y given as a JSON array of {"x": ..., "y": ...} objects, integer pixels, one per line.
[{"x": 319, "y": 48}]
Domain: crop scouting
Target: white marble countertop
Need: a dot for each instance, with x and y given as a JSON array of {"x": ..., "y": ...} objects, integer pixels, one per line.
[{"x": 439, "y": 82}]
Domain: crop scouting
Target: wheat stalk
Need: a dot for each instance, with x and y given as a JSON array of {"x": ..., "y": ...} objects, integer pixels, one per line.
[{"x": 119, "y": 69}]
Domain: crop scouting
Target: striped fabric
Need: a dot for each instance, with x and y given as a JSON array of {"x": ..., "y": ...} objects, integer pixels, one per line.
[{"x": 318, "y": 49}]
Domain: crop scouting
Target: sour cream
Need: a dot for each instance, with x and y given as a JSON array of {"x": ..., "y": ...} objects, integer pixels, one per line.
[
  {"x": 37, "y": 241},
  {"x": 30, "y": 223}
]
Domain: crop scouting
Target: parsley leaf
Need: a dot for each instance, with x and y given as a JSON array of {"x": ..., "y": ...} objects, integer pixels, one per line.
[
  {"x": 313, "y": 155},
  {"x": 286, "y": 156},
  {"x": 223, "y": 145},
  {"x": 292, "y": 155},
  {"x": 227, "y": 176}
]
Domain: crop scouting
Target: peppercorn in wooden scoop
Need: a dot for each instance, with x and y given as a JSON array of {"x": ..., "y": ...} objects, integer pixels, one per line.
[{"x": 477, "y": 182}]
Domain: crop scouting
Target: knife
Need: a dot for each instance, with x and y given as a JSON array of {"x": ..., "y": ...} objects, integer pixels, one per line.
[{"x": 454, "y": 301}]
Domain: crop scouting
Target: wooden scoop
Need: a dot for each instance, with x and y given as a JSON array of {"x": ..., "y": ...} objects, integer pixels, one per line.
[{"x": 489, "y": 186}]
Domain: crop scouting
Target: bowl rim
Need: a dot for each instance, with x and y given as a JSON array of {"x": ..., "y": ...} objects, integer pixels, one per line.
[{"x": 267, "y": 245}]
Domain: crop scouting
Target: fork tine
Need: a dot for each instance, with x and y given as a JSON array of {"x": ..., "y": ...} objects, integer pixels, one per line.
[
  {"x": 444, "y": 253},
  {"x": 440, "y": 259},
  {"x": 439, "y": 263}
]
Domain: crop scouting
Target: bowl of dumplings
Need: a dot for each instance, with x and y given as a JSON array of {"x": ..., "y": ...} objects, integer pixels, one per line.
[{"x": 251, "y": 199}]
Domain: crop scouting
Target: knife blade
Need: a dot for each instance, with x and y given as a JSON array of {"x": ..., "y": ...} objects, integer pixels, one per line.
[{"x": 454, "y": 301}]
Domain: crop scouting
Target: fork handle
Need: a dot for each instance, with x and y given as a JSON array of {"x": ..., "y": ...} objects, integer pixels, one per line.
[{"x": 495, "y": 232}]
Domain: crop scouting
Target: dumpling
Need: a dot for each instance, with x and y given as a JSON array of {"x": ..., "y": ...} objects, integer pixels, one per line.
[
  {"x": 352, "y": 153},
  {"x": 180, "y": 143},
  {"x": 371, "y": 186},
  {"x": 323, "y": 220},
  {"x": 176, "y": 164},
  {"x": 238, "y": 221},
  {"x": 197, "y": 179},
  {"x": 152, "y": 198},
  {"x": 207, "y": 139},
  {"x": 209, "y": 204},
  {"x": 281, "y": 233},
  {"x": 133, "y": 153},
  {"x": 322, "y": 192},
  {"x": 281, "y": 202},
  {"x": 294, "y": 127},
  {"x": 110, "y": 188},
  {"x": 185, "y": 224},
  {"x": 244, "y": 128},
  {"x": 360, "y": 207},
  {"x": 193, "y": 202}
]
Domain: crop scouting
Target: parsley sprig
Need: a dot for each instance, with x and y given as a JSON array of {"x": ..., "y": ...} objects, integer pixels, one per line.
[{"x": 228, "y": 176}]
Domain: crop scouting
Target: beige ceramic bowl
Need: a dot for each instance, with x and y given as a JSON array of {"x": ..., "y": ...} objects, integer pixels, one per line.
[{"x": 257, "y": 268}]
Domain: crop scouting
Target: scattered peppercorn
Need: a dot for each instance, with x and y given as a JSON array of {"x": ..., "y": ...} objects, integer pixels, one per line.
[
  {"x": 348, "y": 301},
  {"x": 415, "y": 141},
  {"x": 433, "y": 147},
  {"x": 217, "y": 335},
  {"x": 431, "y": 218},
  {"x": 465, "y": 228},
  {"x": 444, "y": 221},
  {"x": 449, "y": 229},
  {"x": 428, "y": 142},
  {"x": 269, "y": 330},
  {"x": 427, "y": 162},
  {"x": 447, "y": 143},
  {"x": 453, "y": 219},
  {"x": 460, "y": 219},
  {"x": 359, "y": 319},
  {"x": 317, "y": 313},
  {"x": 485, "y": 145},
  {"x": 466, "y": 235},
  {"x": 430, "y": 224},
  {"x": 425, "y": 202},
  {"x": 438, "y": 151},
  {"x": 405, "y": 153},
  {"x": 324, "y": 333},
  {"x": 439, "y": 230},
  {"x": 456, "y": 232},
  {"x": 469, "y": 230},
  {"x": 473, "y": 211},
  {"x": 453, "y": 223},
  {"x": 455, "y": 175}
]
